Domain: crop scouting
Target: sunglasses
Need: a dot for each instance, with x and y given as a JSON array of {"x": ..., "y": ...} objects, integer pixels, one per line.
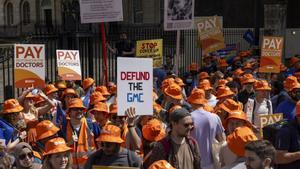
[{"x": 23, "y": 156}]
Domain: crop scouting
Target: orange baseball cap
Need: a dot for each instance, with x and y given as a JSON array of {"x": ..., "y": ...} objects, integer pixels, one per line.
[
  {"x": 161, "y": 164},
  {"x": 262, "y": 85},
  {"x": 203, "y": 75},
  {"x": 60, "y": 85},
  {"x": 50, "y": 88},
  {"x": 166, "y": 83},
  {"x": 294, "y": 60},
  {"x": 222, "y": 82},
  {"x": 291, "y": 83},
  {"x": 76, "y": 103},
  {"x": 56, "y": 145},
  {"x": 113, "y": 108},
  {"x": 153, "y": 130},
  {"x": 174, "y": 91},
  {"x": 205, "y": 85},
  {"x": 96, "y": 97},
  {"x": 197, "y": 97},
  {"x": 240, "y": 115},
  {"x": 103, "y": 90},
  {"x": 179, "y": 81},
  {"x": 230, "y": 106},
  {"x": 110, "y": 133},
  {"x": 87, "y": 83},
  {"x": 193, "y": 67},
  {"x": 222, "y": 63},
  {"x": 45, "y": 129},
  {"x": 239, "y": 138},
  {"x": 12, "y": 106},
  {"x": 223, "y": 92},
  {"x": 100, "y": 107},
  {"x": 248, "y": 78},
  {"x": 69, "y": 91}
]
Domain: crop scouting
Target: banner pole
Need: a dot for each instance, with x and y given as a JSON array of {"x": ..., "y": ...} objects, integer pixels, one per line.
[
  {"x": 177, "y": 52},
  {"x": 104, "y": 52}
]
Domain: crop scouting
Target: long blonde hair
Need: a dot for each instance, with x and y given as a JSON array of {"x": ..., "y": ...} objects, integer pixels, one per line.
[{"x": 47, "y": 164}]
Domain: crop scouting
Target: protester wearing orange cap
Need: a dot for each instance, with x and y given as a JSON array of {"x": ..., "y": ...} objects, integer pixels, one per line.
[
  {"x": 87, "y": 83},
  {"x": 260, "y": 104},
  {"x": 111, "y": 152},
  {"x": 57, "y": 154},
  {"x": 236, "y": 118},
  {"x": 173, "y": 95},
  {"x": 101, "y": 113},
  {"x": 67, "y": 95},
  {"x": 224, "y": 93},
  {"x": 191, "y": 78},
  {"x": 247, "y": 88},
  {"x": 248, "y": 68},
  {"x": 221, "y": 83},
  {"x": 225, "y": 108},
  {"x": 236, "y": 142},
  {"x": 78, "y": 134},
  {"x": 206, "y": 86},
  {"x": 161, "y": 164},
  {"x": 103, "y": 90},
  {"x": 288, "y": 105},
  {"x": 222, "y": 66},
  {"x": 96, "y": 97},
  {"x": 11, "y": 114},
  {"x": 61, "y": 86},
  {"x": 203, "y": 75}
]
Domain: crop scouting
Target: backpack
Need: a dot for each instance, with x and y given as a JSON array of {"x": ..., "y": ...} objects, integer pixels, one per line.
[{"x": 270, "y": 131}]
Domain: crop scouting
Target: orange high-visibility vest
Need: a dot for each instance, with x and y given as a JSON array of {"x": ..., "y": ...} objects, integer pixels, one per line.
[{"x": 83, "y": 146}]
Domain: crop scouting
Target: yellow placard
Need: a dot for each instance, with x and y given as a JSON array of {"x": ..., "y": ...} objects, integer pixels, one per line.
[
  {"x": 151, "y": 49},
  {"x": 271, "y": 52},
  {"x": 113, "y": 167},
  {"x": 269, "y": 119},
  {"x": 210, "y": 34}
]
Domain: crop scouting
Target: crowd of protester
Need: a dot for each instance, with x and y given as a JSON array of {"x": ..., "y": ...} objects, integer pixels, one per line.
[{"x": 208, "y": 118}]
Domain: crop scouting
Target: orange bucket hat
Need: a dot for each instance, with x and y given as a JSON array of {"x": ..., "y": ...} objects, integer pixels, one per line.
[
  {"x": 113, "y": 108},
  {"x": 248, "y": 78},
  {"x": 239, "y": 138},
  {"x": 262, "y": 85},
  {"x": 167, "y": 82},
  {"x": 110, "y": 133},
  {"x": 56, "y": 145},
  {"x": 153, "y": 130},
  {"x": 240, "y": 115},
  {"x": 205, "y": 85},
  {"x": 76, "y": 103},
  {"x": 203, "y": 75},
  {"x": 197, "y": 97},
  {"x": 238, "y": 72},
  {"x": 12, "y": 106},
  {"x": 96, "y": 97},
  {"x": 60, "y": 85},
  {"x": 223, "y": 92},
  {"x": 294, "y": 60},
  {"x": 103, "y": 90},
  {"x": 193, "y": 67},
  {"x": 291, "y": 83},
  {"x": 50, "y": 89},
  {"x": 222, "y": 82},
  {"x": 179, "y": 81},
  {"x": 230, "y": 106},
  {"x": 222, "y": 63},
  {"x": 87, "y": 83},
  {"x": 100, "y": 107},
  {"x": 69, "y": 91},
  {"x": 45, "y": 129},
  {"x": 161, "y": 164},
  {"x": 174, "y": 91}
]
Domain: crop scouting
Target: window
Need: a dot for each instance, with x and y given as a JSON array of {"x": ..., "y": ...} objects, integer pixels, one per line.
[
  {"x": 9, "y": 14},
  {"x": 138, "y": 11},
  {"x": 26, "y": 13}
]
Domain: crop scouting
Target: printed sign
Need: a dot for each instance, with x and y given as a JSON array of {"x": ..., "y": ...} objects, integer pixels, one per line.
[
  {"x": 210, "y": 34},
  {"x": 29, "y": 65},
  {"x": 179, "y": 14},
  {"x": 68, "y": 64},
  {"x": 269, "y": 119},
  {"x": 101, "y": 11},
  {"x": 271, "y": 52},
  {"x": 135, "y": 85},
  {"x": 151, "y": 49}
]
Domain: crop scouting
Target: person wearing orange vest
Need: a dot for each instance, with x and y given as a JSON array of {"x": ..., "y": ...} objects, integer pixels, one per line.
[{"x": 78, "y": 135}]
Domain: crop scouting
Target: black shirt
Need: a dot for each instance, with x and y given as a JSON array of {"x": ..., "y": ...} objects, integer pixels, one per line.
[{"x": 124, "y": 46}]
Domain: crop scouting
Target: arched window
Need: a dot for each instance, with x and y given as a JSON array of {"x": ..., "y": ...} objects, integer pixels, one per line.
[
  {"x": 26, "y": 13},
  {"x": 9, "y": 14}
]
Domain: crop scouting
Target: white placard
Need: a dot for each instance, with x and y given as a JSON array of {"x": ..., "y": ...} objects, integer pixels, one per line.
[
  {"x": 68, "y": 64},
  {"x": 135, "y": 85},
  {"x": 179, "y": 14},
  {"x": 96, "y": 11}
]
